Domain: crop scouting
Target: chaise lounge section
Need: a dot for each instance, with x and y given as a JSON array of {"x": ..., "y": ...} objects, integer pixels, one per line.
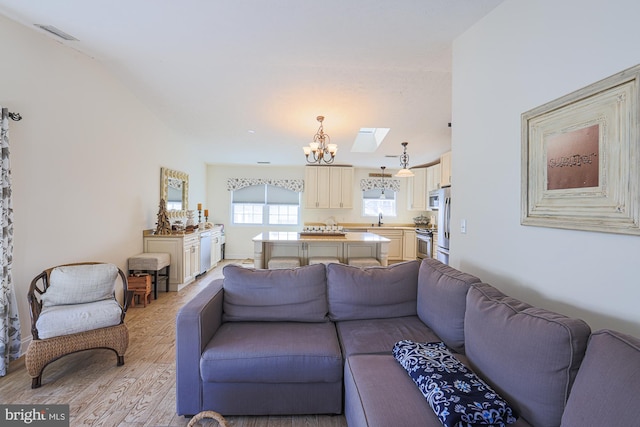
[{"x": 319, "y": 339}]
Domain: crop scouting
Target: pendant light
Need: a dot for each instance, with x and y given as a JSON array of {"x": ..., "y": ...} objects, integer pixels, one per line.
[
  {"x": 404, "y": 162},
  {"x": 382, "y": 195}
]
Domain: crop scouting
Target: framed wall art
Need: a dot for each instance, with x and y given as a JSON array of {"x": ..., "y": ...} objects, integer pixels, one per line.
[{"x": 580, "y": 159}]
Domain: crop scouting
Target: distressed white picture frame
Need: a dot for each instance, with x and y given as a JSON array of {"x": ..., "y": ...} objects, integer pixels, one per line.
[{"x": 611, "y": 204}]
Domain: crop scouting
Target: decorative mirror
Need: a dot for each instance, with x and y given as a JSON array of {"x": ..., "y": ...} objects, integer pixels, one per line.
[{"x": 174, "y": 189}]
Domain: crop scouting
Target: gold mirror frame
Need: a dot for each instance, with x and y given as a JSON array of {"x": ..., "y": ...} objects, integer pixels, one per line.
[{"x": 165, "y": 175}]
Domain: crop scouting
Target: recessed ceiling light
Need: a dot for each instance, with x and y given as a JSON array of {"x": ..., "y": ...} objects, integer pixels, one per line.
[{"x": 369, "y": 139}]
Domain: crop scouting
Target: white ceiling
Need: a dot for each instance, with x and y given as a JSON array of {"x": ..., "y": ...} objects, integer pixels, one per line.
[{"x": 245, "y": 79}]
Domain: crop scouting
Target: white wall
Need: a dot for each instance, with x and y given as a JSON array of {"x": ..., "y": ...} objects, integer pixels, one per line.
[
  {"x": 238, "y": 239},
  {"x": 522, "y": 55},
  {"x": 85, "y": 159}
]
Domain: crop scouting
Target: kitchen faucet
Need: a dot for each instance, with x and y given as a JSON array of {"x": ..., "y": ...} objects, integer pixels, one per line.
[{"x": 380, "y": 219}]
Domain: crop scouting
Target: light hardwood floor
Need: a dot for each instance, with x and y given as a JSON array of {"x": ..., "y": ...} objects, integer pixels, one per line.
[{"x": 140, "y": 393}]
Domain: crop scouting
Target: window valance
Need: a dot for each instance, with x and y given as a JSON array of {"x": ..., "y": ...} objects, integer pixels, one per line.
[
  {"x": 296, "y": 185},
  {"x": 377, "y": 184}
]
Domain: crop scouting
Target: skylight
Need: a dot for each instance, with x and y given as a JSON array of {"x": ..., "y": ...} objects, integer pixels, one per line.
[{"x": 369, "y": 139}]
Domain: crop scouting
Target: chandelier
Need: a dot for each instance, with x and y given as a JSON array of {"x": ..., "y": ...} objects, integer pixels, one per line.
[
  {"x": 321, "y": 150},
  {"x": 404, "y": 163}
]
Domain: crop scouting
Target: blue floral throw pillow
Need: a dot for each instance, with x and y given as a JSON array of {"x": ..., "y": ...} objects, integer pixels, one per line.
[{"x": 457, "y": 396}]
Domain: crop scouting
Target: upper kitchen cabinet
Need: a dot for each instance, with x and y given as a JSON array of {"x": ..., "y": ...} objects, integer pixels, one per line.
[
  {"x": 445, "y": 169},
  {"x": 433, "y": 178},
  {"x": 328, "y": 187},
  {"x": 417, "y": 184}
]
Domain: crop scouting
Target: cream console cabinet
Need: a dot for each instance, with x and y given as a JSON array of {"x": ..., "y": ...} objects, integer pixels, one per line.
[
  {"x": 328, "y": 187},
  {"x": 184, "y": 251}
]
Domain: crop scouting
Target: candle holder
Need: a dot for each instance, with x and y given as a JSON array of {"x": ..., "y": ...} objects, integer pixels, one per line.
[
  {"x": 206, "y": 219},
  {"x": 199, "y": 216}
]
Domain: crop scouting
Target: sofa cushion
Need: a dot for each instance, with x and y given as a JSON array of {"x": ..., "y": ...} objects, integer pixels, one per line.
[
  {"x": 442, "y": 300},
  {"x": 70, "y": 319},
  {"x": 529, "y": 355},
  {"x": 388, "y": 397},
  {"x": 370, "y": 336},
  {"x": 273, "y": 352},
  {"x": 79, "y": 284},
  {"x": 454, "y": 393},
  {"x": 607, "y": 386},
  {"x": 372, "y": 293},
  {"x": 297, "y": 295}
]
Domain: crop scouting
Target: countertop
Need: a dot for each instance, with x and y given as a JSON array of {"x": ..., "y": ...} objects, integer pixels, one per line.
[
  {"x": 293, "y": 236},
  {"x": 359, "y": 226}
]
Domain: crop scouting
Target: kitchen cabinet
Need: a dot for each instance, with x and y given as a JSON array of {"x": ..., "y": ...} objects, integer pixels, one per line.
[
  {"x": 216, "y": 245},
  {"x": 341, "y": 187},
  {"x": 417, "y": 186},
  {"x": 408, "y": 245},
  {"x": 328, "y": 187},
  {"x": 184, "y": 251},
  {"x": 191, "y": 257},
  {"x": 445, "y": 169},
  {"x": 396, "y": 242},
  {"x": 433, "y": 178},
  {"x": 434, "y": 244}
]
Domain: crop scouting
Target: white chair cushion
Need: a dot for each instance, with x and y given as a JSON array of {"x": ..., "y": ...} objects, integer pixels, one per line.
[
  {"x": 79, "y": 284},
  {"x": 70, "y": 319}
]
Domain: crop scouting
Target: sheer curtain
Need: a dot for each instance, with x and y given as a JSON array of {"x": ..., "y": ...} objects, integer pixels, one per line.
[{"x": 9, "y": 323}]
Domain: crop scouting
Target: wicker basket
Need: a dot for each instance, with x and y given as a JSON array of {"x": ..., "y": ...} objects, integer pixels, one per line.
[{"x": 208, "y": 414}]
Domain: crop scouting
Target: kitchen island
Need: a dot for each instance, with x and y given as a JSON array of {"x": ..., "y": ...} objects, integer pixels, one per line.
[{"x": 339, "y": 246}]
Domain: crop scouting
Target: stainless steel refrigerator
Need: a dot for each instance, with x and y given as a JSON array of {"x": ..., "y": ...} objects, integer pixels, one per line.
[{"x": 444, "y": 224}]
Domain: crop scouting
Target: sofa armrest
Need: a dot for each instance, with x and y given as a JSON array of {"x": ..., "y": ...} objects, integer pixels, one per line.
[{"x": 196, "y": 323}]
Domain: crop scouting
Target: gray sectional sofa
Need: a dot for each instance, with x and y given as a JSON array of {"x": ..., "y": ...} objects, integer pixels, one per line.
[{"x": 319, "y": 339}]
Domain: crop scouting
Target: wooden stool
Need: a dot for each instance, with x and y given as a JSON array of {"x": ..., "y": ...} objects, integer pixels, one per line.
[
  {"x": 323, "y": 260},
  {"x": 283, "y": 262},
  {"x": 364, "y": 262},
  {"x": 151, "y": 262},
  {"x": 141, "y": 287}
]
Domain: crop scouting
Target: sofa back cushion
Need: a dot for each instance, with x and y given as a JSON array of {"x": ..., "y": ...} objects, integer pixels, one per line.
[
  {"x": 285, "y": 295},
  {"x": 356, "y": 293},
  {"x": 80, "y": 284},
  {"x": 607, "y": 386},
  {"x": 442, "y": 300},
  {"x": 529, "y": 355}
]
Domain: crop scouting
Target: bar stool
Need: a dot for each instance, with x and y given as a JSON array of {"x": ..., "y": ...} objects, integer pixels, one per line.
[
  {"x": 363, "y": 262},
  {"x": 283, "y": 262},
  {"x": 323, "y": 260},
  {"x": 151, "y": 262}
]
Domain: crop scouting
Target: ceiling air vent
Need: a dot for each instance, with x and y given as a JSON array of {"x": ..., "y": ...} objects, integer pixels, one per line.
[{"x": 56, "y": 32}]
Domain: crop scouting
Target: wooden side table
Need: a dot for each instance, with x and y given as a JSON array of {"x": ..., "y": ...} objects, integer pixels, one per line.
[{"x": 141, "y": 287}]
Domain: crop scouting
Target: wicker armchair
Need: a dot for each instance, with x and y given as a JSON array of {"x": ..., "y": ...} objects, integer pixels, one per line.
[{"x": 73, "y": 308}]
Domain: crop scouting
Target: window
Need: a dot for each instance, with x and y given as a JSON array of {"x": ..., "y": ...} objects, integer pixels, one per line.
[
  {"x": 373, "y": 204},
  {"x": 265, "y": 204}
]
